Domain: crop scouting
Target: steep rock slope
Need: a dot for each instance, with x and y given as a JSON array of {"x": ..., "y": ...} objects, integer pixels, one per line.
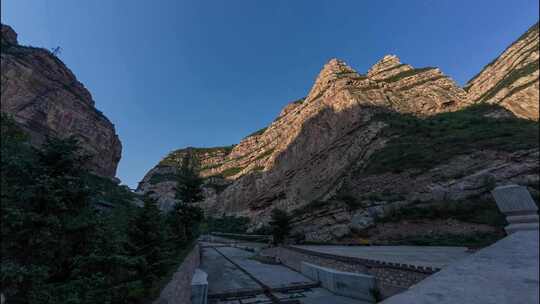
[
  {"x": 511, "y": 79},
  {"x": 358, "y": 147},
  {"x": 283, "y": 164},
  {"x": 46, "y": 99}
]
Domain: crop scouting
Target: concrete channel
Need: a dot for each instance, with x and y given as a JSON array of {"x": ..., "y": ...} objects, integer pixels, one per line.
[{"x": 235, "y": 277}]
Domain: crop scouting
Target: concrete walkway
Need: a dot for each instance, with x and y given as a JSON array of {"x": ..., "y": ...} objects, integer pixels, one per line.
[
  {"x": 274, "y": 276},
  {"x": 222, "y": 275},
  {"x": 227, "y": 266},
  {"x": 437, "y": 257},
  {"x": 505, "y": 272}
]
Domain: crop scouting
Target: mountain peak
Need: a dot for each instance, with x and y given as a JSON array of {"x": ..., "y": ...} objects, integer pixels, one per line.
[
  {"x": 388, "y": 66},
  {"x": 331, "y": 71},
  {"x": 8, "y": 34}
]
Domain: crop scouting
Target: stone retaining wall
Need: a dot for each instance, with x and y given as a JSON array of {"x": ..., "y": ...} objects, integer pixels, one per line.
[
  {"x": 178, "y": 290},
  {"x": 391, "y": 278}
]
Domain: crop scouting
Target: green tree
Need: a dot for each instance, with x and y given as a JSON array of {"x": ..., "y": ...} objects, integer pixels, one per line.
[
  {"x": 280, "y": 224},
  {"x": 188, "y": 182},
  {"x": 146, "y": 238},
  {"x": 185, "y": 217},
  {"x": 55, "y": 248}
]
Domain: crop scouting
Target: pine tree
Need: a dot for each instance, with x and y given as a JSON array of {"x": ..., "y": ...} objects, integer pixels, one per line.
[
  {"x": 146, "y": 238},
  {"x": 188, "y": 182},
  {"x": 55, "y": 248},
  {"x": 185, "y": 217},
  {"x": 280, "y": 224}
]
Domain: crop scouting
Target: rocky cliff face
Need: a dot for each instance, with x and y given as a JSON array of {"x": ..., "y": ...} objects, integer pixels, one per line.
[
  {"x": 46, "y": 99},
  {"x": 160, "y": 183},
  {"x": 358, "y": 146},
  {"x": 511, "y": 79}
]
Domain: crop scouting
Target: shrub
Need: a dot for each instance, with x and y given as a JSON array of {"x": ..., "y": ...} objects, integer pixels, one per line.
[
  {"x": 280, "y": 223},
  {"x": 231, "y": 171}
]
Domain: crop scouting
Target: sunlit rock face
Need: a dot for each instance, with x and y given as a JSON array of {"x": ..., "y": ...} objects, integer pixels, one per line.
[
  {"x": 511, "y": 80},
  {"x": 46, "y": 99},
  {"x": 313, "y": 157},
  {"x": 304, "y": 153}
]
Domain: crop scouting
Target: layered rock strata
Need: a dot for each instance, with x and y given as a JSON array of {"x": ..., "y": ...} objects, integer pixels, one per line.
[
  {"x": 313, "y": 159},
  {"x": 46, "y": 99},
  {"x": 511, "y": 80}
]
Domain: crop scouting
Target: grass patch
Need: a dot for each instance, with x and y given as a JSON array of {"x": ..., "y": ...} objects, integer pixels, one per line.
[
  {"x": 265, "y": 154},
  {"x": 417, "y": 143},
  {"x": 231, "y": 171}
]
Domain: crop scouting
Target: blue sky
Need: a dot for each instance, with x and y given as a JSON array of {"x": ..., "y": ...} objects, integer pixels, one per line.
[{"x": 172, "y": 73}]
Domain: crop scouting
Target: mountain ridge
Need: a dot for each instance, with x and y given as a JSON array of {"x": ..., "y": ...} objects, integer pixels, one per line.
[{"x": 319, "y": 148}]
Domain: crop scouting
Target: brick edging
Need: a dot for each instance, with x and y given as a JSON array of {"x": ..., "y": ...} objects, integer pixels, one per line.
[{"x": 366, "y": 262}]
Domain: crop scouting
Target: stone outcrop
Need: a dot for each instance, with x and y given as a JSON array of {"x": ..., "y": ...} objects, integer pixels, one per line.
[
  {"x": 314, "y": 156},
  {"x": 511, "y": 79},
  {"x": 46, "y": 99}
]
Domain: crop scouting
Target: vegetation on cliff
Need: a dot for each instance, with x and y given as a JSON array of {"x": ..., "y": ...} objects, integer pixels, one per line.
[{"x": 417, "y": 143}]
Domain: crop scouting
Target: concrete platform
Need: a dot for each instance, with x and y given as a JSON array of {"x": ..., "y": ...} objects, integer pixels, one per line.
[
  {"x": 348, "y": 284},
  {"x": 274, "y": 276},
  {"x": 222, "y": 275},
  {"x": 426, "y": 256},
  {"x": 505, "y": 272}
]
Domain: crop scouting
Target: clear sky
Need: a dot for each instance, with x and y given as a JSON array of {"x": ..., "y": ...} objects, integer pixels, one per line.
[{"x": 172, "y": 73}]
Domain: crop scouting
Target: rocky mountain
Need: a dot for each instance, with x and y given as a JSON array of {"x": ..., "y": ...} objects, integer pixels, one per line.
[
  {"x": 46, "y": 99},
  {"x": 360, "y": 146},
  {"x": 511, "y": 79}
]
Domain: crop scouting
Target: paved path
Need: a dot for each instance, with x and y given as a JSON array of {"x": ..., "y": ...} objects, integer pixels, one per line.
[
  {"x": 232, "y": 270},
  {"x": 505, "y": 272},
  {"x": 414, "y": 255},
  {"x": 273, "y": 276},
  {"x": 222, "y": 275}
]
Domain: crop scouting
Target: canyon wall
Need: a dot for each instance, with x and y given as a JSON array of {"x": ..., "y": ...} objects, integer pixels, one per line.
[
  {"x": 361, "y": 145},
  {"x": 46, "y": 99}
]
